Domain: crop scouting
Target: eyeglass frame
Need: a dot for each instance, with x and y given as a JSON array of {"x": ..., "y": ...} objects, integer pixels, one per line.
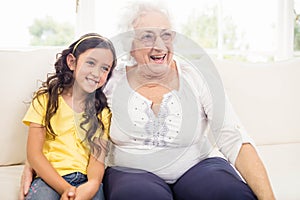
[{"x": 166, "y": 36}]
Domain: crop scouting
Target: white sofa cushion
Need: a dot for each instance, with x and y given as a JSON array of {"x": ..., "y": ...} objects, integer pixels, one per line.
[
  {"x": 10, "y": 177},
  {"x": 266, "y": 98},
  {"x": 19, "y": 79},
  {"x": 283, "y": 166}
]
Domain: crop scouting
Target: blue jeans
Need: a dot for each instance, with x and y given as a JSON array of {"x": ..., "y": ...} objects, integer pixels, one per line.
[{"x": 39, "y": 189}]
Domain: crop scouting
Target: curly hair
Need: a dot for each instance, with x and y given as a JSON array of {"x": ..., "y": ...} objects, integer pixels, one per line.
[{"x": 63, "y": 79}]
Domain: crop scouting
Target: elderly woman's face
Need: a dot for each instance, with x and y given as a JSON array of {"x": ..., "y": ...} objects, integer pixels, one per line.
[{"x": 152, "y": 45}]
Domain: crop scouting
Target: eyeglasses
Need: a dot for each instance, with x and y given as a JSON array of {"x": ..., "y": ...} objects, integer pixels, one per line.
[{"x": 148, "y": 37}]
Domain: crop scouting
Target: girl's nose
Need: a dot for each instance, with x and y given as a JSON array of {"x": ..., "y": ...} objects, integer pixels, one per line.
[{"x": 96, "y": 71}]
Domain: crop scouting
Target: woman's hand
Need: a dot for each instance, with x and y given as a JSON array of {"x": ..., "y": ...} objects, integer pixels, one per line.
[{"x": 26, "y": 179}]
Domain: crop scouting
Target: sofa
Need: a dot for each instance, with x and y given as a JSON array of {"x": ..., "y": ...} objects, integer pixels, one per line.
[{"x": 265, "y": 96}]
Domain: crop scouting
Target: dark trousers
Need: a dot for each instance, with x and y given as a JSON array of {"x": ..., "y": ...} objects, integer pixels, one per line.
[{"x": 210, "y": 179}]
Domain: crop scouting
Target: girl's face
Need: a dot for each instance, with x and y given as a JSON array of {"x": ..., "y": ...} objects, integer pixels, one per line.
[
  {"x": 91, "y": 69},
  {"x": 152, "y": 46}
]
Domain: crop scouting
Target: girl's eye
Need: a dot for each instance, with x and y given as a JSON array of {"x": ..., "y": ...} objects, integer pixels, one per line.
[
  {"x": 105, "y": 68},
  {"x": 91, "y": 63}
]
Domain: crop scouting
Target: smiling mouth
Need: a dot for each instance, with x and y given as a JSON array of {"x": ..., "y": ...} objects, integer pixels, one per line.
[
  {"x": 158, "y": 59},
  {"x": 92, "y": 81}
]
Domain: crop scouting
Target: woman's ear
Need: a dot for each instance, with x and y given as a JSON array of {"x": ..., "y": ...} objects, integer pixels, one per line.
[
  {"x": 131, "y": 60},
  {"x": 71, "y": 61}
]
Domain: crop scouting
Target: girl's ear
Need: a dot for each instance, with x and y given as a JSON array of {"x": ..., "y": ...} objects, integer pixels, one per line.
[{"x": 71, "y": 61}]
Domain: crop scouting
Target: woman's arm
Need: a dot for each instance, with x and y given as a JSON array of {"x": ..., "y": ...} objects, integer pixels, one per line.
[
  {"x": 26, "y": 180},
  {"x": 253, "y": 171},
  {"x": 37, "y": 160}
]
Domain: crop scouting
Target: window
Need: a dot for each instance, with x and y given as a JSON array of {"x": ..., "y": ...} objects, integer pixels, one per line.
[
  {"x": 242, "y": 30},
  {"x": 47, "y": 19},
  {"x": 256, "y": 31},
  {"x": 297, "y": 28}
]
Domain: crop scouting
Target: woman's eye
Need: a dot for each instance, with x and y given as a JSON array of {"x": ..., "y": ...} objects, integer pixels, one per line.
[
  {"x": 166, "y": 36},
  {"x": 147, "y": 37}
]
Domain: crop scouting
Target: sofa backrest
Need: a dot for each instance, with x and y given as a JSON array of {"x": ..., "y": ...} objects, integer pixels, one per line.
[
  {"x": 21, "y": 72},
  {"x": 266, "y": 97}
]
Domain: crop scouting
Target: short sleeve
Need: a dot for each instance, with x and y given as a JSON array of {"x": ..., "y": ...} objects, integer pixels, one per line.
[
  {"x": 229, "y": 134},
  {"x": 36, "y": 111},
  {"x": 105, "y": 118},
  {"x": 232, "y": 135}
]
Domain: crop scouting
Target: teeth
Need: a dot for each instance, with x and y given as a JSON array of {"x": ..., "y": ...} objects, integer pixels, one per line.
[
  {"x": 158, "y": 57},
  {"x": 92, "y": 81}
]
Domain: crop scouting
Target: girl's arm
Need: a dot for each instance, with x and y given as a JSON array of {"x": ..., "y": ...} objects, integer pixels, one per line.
[
  {"x": 253, "y": 171},
  {"x": 37, "y": 160},
  {"x": 95, "y": 172}
]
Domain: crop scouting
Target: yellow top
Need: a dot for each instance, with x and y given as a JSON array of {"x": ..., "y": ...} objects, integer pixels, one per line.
[{"x": 68, "y": 152}]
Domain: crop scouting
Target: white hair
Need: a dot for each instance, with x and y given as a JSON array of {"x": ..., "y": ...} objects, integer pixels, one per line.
[
  {"x": 130, "y": 13},
  {"x": 135, "y": 8}
]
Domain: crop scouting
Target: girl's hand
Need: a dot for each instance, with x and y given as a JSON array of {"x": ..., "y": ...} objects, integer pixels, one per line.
[
  {"x": 69, "y": 194},
  {"x": 87, "y": 190}
]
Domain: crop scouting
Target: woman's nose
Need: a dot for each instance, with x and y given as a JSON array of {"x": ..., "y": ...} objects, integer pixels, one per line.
[{"x": 159, "y": 44}]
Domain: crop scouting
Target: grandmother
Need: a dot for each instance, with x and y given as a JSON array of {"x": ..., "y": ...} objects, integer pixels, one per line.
[{"x": 169, "y": 112}]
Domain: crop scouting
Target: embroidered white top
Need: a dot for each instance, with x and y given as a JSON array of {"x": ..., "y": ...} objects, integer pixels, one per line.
[{"x": 180, "y": 135}]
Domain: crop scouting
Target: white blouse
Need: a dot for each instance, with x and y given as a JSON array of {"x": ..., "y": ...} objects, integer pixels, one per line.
[{"x": 190, "y": 123}]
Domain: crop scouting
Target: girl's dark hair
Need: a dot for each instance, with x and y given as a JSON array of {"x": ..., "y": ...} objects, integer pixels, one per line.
[{"x": 63, "y": 79}]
